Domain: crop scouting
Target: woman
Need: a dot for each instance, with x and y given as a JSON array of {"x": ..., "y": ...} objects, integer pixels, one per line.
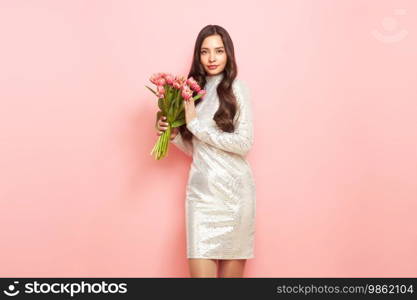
[{"x": 220, "y": 194}]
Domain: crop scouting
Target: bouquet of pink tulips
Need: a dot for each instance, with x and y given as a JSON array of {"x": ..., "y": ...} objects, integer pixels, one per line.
[{"x": 171, "y": 92}]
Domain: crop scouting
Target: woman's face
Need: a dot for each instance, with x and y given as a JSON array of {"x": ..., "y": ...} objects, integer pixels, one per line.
[{"x": 213, "y": 53}]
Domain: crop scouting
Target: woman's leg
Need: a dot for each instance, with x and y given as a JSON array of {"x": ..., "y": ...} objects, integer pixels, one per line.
[
  {"x": 232, "y": 267},
  {"x": 201, "y": 267}
]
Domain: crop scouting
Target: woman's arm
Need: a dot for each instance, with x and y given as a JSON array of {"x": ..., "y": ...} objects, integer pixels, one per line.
[
  {"x": 185, "y": 146},
  {"x": 241, "y": 140}
]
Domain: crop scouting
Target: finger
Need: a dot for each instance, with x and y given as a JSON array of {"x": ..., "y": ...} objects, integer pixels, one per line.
[
  {"x": 163, "y": 124},
  {"x": 162, "y": 127}
]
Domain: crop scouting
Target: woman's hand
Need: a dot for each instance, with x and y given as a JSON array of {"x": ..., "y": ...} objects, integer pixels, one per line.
[
  {"x": 162, "y": 125},
  {"x": 190, "y": 112}
]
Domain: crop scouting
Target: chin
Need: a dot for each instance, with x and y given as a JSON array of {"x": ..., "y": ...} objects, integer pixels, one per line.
[{"x": 214, "y": 72}]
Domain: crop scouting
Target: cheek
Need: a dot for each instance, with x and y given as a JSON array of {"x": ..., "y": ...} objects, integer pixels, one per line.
[{"x": 224, "y": 59}]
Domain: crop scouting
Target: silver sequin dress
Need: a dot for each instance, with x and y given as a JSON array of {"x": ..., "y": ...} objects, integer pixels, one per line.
[{"x": 220, "y": 202}]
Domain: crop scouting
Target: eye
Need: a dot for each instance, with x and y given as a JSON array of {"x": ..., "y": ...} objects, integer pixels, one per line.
[
  {"x": 221, "y": 51},
  {"x": 202, "y": 52}
]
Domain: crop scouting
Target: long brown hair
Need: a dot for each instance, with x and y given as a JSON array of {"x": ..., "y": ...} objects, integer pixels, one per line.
[{"x": 227, "y": 101}]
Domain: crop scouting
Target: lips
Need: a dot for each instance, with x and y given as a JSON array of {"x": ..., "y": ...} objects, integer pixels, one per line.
[{"x": 212, "y": 67}]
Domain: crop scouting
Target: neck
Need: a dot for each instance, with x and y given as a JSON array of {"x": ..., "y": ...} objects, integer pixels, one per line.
[{"x": 214, "y": 77}]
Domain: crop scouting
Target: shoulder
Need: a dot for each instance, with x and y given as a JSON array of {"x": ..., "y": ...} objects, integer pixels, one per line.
[
  {"x": 241, "y": 89},
  {"x": 239, "y": 83}
]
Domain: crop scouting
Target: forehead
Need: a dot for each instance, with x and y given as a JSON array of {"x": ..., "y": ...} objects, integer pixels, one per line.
[{"x": 212, "y": 41}]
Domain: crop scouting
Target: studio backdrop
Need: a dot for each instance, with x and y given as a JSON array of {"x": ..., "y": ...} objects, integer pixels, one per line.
[{"x": 333, "y": 89}]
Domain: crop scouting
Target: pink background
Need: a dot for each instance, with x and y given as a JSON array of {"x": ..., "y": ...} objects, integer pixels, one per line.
[{"x": 335, "y": 153}]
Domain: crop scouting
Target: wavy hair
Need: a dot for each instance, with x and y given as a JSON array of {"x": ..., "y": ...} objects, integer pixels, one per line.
[{"x": 227, "y": 100}]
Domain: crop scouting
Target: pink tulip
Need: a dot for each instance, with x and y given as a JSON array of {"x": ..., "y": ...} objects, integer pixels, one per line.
[
  {"x": 176, "y": 85},
  {"x": 181, "y": 79},
  {"x": 191, "y": 81},
  {"x": 154, "y": 78},
  {"x": 202, "y": 92},
  {"x": 196, "y": 87},
  {"x": 160, "y": 91},
  {"x": 161, "y": 81},
  {"x": 186, "y": 92},
  {"x": 193, "y": 84},
  {"x": 185, "y": 96},
  {"x": 169, "y": 79}
]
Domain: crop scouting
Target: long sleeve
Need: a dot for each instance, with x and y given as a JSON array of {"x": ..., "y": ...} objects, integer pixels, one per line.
[
  {"x": 241, "y": 140},
  {"x": 185, "y": 146}
]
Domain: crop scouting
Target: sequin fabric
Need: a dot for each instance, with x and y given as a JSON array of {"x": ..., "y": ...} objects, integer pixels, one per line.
[{"x": 220, "y": 203}]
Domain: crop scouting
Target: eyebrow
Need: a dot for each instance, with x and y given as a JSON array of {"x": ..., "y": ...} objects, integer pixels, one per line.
[{"x": 214, "y": 48}]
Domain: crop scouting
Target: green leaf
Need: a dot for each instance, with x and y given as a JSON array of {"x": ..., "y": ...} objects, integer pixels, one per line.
[
  {"x": 197, "y": 97},
  {"x": 166, "y": 106},
  {"x": 171, "y": 111},
  {"x": 178, "y": 123},
  {"x": 161, "y": 104},
  {"x": 151, "y": 90}
]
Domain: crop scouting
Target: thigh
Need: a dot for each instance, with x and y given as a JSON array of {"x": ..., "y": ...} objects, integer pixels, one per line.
[
  {"x": 232, "y": 267},
  {"x": 202, "y": 267}
]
